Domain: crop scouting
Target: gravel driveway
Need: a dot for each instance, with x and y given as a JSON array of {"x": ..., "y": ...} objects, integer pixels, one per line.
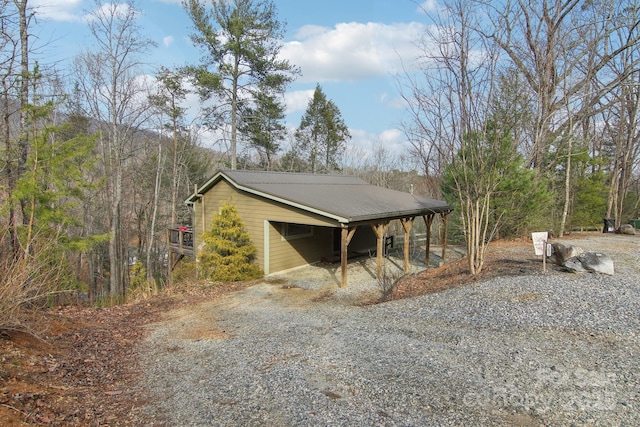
[{"x": 549, "y": 349}]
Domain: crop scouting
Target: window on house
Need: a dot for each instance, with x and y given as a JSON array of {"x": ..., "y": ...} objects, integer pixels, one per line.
[{"x": 295, "y": 231}]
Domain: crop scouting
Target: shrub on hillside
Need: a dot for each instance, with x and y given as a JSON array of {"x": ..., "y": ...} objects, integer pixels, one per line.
[
  {"x": 227, "y": 254},
  {"x": 31, "y": 281}
]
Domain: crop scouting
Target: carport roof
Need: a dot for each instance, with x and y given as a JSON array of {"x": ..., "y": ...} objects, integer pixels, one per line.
[{"x": 347, "y": 199}]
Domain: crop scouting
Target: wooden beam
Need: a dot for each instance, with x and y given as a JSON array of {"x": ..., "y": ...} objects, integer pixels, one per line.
[
  {"x": 445, "y": 217},
  {"x": 407, "y": 224},
  {"x": 428, "y": 220},
  {"x": 199, "y": 197},
  {"x": 169, "y": 267},
  {"x": 175, "y": 263},
  {"x": 380, "y": 230},
  {"x": 346, "y": 235},
  {"x": 204, "y": 225}
]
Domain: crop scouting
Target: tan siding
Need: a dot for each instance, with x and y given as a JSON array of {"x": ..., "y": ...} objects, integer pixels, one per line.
[
  {"x": 285, "y": 254},
  {"x": 253, "y": 211}
]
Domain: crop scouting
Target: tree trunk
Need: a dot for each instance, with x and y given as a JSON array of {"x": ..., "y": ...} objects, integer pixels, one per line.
[
  {"x": 11, "y": 172},
  {"x": 23, "y": 142},
  {"x": 567, "y": 189},
  {"x": 116, "y": 288},
  {"x": 116, "y": 255},
  {"x": 234, "y": 111},
  {"x": 174, "y": 176},
  {"x": 152, "y": 233}
]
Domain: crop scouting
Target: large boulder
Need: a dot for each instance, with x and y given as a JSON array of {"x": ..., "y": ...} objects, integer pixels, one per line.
[
  {"x": 573, "y": 265},
  {"x": 565, "y": 252},
  {"x": 575, "y": 260},
  {"x": 627, "y": 229},
  {"x": 596, "y": 262}
]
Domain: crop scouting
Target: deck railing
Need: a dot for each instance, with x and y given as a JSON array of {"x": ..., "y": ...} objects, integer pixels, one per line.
[{"x": 181, "y": 240}]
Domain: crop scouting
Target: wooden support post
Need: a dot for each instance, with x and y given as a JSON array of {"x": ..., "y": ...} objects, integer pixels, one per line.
[
  {"x": 201, "y": 198},
  {"x": 407, "y": 224},
  {"x": 445, "y": 217},
  {"x": 346, "y": 235},
  {"x": 170, "y": 272},
  {"x": 204, "y": 216},
  {"x": 380, "y": 230},
  {"x": 428, "y": 220}
]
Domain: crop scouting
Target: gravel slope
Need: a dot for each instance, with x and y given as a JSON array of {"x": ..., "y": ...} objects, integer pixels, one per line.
[{"x": 550, "y": 349}]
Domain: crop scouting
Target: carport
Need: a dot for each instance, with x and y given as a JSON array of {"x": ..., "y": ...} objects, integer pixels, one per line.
[{"x": 336, "y": 201}]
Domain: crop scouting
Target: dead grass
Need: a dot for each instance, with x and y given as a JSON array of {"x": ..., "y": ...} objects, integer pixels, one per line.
[
  {"x": 83, "y": 370},
  {"x": 504, "y": 258}
]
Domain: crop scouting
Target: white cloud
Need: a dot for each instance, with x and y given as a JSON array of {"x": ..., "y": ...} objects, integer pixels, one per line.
[
  {"x": 58, "y": 10},
  {"x": 71, "y": 10},
  {"x": 368, "y": 141},
  {"x": 362, "y": 140},
  {"x": 361, "y": 149},
  {"x": 429, "y": 6},
  {"x": 391, "y": 101},
  {"x": 352, "y": 51},
  {"x": 298, "y": 100},
  {"x": 363, "y": 145},
  {"x": 167, "y": 41},
  {"x": 391, "y": 136},
  {"x": 107, "y": 10},
  {"x": 310, "y": 31}
]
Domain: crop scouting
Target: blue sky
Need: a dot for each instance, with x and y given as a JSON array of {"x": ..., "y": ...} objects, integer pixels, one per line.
[{"x": 353, "y": 48}]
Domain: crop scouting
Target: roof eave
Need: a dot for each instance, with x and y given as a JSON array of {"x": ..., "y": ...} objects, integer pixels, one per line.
[
  {"x": 397, "y": 215},
  {"x": 205, "y": 187}
]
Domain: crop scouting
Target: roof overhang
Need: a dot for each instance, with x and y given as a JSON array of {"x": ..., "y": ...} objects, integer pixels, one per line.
[{"x": 344, "y": 221}]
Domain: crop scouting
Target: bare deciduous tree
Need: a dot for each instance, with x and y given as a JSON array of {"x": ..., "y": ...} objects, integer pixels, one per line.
[
  {"x": 15, "y": 18},
  {"x": 109, "y": 78},
  {"x": 449, "y": 101},
  {"x": 561, "y": 48},
  {"x": 9, "y": 47},
  {"x": 170, "y": 94},
  {"x": 622, "y": 119}
]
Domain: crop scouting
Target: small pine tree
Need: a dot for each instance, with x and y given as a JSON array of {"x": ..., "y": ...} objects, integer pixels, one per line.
[{"x": 227, "y": 253}]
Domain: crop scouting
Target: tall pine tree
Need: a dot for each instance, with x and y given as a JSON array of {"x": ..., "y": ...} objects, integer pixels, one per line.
[
  {"x": 322, "y": 133},
  {"x": 241, "y": 41},
  {"x": 263, "y": 127}
]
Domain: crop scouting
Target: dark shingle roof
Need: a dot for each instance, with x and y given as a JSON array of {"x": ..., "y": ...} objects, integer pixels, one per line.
[{"x": 348, "y": 199}]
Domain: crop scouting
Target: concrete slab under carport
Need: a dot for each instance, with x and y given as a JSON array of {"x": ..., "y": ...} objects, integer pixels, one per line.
[{"x": 326, "y": 276}]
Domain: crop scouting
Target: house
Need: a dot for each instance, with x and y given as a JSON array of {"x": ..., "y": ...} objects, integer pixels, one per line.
[{"x": 296, "y": 219}]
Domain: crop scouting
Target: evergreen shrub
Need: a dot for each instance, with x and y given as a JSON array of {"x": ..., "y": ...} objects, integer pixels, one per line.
[{"x": 227, "y": 254}]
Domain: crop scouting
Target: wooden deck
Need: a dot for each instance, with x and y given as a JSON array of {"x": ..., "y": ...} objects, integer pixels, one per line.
[{"x": 180, "y": 241}]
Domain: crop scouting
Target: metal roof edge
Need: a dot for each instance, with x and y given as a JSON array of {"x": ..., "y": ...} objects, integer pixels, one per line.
[
  {"x": 192, "y": 198},
  {"x": 398, "y": 215}
]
